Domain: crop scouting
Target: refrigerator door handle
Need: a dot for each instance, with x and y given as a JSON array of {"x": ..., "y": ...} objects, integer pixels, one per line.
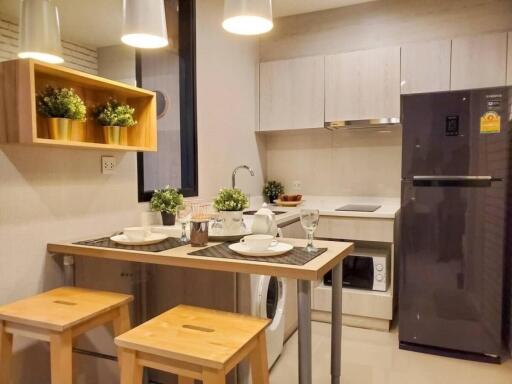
[
  {"x": 454, "y": 178},
  {"x": 454, "y": 181}
]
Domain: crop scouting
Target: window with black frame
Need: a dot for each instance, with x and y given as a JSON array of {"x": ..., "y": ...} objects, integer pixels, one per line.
[{"x": 170, "y": 72}]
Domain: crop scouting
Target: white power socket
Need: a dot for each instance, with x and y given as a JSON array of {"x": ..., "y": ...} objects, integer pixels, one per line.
[
  {"x": 297, "y": 185},
  {"x": 108, "y": 165}
]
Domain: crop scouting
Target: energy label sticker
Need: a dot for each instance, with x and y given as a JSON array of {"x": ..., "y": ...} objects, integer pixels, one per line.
[{"x": 490, "y": 122}]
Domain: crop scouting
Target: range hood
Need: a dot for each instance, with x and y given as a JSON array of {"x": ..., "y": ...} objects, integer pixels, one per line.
[{"x": 370, "y": 123}]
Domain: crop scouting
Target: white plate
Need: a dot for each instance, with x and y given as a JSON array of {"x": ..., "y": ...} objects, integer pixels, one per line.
[
  {"x": 153, "y": 238},
  {"x": 274, "y": 250}
]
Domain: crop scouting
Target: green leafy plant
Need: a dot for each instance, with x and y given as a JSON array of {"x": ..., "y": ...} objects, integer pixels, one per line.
[
  {"x": 113, "y": 113},
  {"x": 61, "y": 102},
  {"x": 272, "y": 189},
  {"x": 167, "y": 200},
  {"x": 230, "y": 200}
]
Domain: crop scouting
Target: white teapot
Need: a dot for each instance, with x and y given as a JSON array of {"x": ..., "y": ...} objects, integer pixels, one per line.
[{"x": 264, "y": 222}]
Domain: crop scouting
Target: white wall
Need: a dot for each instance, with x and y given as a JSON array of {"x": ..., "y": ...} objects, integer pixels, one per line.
[
  {"x": 355, "y": 163},
  {"x": 227, "y": 70},
  {"x": 56, "y": 194}
]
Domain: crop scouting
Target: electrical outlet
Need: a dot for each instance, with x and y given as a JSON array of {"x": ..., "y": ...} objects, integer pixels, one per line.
[
  {"x": 108, "y": 165},
  {"x": 297, "y": 185}
]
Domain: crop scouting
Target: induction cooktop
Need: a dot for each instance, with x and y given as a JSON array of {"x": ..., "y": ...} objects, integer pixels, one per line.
[{"x": 359, "y": 208}]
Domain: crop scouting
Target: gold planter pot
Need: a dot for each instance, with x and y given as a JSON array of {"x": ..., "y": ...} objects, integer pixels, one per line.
[
  {"x": 115, "y": 135},
  {"x": 112, "y": 135},
  {"x": 59, "y": 128}
]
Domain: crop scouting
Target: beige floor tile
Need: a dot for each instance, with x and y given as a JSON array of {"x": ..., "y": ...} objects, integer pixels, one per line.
[{"x": 373, "y": 357}]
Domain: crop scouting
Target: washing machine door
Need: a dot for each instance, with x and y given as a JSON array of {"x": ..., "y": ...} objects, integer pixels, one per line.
[{"x": 271, "y": 295}]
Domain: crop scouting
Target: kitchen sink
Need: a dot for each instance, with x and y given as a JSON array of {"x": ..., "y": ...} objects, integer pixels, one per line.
[{"x": 253, "y": 212}]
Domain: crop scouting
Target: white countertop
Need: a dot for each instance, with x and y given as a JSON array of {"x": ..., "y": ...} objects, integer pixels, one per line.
[{"x": 325, "y": 204}]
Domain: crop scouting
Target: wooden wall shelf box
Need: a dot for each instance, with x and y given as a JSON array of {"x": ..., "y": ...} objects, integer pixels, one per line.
[{"x": 22, "y": 80}]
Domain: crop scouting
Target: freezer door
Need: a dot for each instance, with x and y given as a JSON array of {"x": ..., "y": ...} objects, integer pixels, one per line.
[
  {"x": 451, "y": 266},
  {"x": 448, "y": 133}
]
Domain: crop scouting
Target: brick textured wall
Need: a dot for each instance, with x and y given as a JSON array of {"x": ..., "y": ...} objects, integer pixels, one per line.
[{"x": 76, "y": 56}]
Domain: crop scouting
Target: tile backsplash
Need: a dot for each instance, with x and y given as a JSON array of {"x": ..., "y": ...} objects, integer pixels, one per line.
[{"x": 355, "y": 162}]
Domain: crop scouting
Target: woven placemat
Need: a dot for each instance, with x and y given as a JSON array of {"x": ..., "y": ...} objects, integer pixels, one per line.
[
  {"x": 297, "y": 256},
  {"x": 105, "y": 242}
]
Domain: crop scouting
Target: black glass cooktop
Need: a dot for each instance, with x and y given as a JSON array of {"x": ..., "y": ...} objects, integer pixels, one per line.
[{"x": 359, "y": 208}]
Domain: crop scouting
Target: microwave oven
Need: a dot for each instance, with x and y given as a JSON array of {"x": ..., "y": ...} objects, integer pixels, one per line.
[{"x": 365, "y": 269}]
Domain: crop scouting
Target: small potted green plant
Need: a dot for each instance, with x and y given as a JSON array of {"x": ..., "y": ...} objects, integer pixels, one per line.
[
  {"x": 272, "y": 190},
  {"x": 167, "y": 201},
  {"x": 230, "y": 203},
  {"x": 62, "y": 106},
  {"x": 114, "y": 117}
]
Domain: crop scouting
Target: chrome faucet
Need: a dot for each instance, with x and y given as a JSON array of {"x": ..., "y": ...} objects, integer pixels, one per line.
[{"x": 233, "y": 176}]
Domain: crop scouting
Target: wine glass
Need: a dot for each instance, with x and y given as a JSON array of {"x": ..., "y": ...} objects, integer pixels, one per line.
[
  {"x": 309, "y": 221},
  {"x": 184, "y": 216}
]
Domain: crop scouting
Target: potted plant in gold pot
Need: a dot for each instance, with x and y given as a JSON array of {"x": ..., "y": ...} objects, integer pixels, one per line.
[
  {"x": 115, "y": 118},
  {"x": 62, "y": 107}
]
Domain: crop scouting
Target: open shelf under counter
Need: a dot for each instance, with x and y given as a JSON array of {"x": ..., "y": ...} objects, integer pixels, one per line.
[
  {"x": 22, "y": 80},
  {"x": 363, "y": 308}
]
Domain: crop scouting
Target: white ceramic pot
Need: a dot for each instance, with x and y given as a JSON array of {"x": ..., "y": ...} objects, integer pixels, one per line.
[{"x": 231, "y": 222}]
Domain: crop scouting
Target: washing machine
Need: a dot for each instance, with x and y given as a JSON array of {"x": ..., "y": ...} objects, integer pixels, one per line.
[{"x": 267, "y": 300}]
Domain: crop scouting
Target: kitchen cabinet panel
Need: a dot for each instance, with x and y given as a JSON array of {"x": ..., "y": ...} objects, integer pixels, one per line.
[
  {"x": 355, "y": 229},
  {"x": 426, "y": 67},
  {"x": 362, "y": 85},
  {"x": 292, "y": 94},
  {"x": 509, "y": 60},
  {"x": 479, "y": 61},
  {"x": 355, "y": 302}
]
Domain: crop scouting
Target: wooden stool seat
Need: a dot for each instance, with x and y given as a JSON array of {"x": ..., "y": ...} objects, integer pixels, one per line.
[
  {"x": 57, "y": 317},
  {"x": 194, "y": 343}
]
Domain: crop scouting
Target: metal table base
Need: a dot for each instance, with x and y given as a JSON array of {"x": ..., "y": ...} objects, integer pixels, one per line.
[{"x": 304, "y": 309}]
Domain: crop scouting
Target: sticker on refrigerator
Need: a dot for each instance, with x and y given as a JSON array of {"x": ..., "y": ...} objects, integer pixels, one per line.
[{"x": 490, "y": 122}]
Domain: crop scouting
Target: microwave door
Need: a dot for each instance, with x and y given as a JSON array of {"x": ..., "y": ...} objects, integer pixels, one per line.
[{"x": 358, "y": 272}]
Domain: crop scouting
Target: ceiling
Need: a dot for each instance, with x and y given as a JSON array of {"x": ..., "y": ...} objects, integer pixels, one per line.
[{"x": 76, "y": 16}]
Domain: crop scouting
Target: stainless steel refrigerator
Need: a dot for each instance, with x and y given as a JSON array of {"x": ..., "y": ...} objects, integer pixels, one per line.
[{"x": 455, "y": 170}]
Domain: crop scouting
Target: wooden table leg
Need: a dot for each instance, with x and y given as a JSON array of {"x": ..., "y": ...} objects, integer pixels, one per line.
[
  {"x": 131, "y": 371},
  {"x": 259, "y": 362},
  {"x": 122, "y": 323},
  {"x": 5, "y": 355},
  {"x": 61, "y": 357},
  {"x": 213, "y": 377}
]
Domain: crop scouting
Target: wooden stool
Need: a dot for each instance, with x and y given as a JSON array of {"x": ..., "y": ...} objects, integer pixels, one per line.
[
  {"x": 194, "y": 343},
  {"x": 58, "y": 316}
]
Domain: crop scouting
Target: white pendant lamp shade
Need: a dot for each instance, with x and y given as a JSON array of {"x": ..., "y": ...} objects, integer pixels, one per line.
[
  {"x": 40, "y": 31},
  {"x": 144, "y": 24},
  {"x": 248, "y": 17}
]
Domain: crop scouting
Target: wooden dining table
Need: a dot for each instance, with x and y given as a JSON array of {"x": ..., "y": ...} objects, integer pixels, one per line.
[{"x": 312, "y": 270}]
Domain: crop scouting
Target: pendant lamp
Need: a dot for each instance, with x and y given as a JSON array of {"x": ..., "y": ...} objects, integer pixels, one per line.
[
  {"x": 248, "y": 17},
  {"x": 40, "y": 31},
  {"x": 144, "y": 24}
]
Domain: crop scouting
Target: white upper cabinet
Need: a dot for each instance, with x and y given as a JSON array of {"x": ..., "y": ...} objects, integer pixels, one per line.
[
  {"x": 362, "y": 85},
  {"x": 292, "y": 94},
  {"x": 509, "y": 60},
  {"x": 426, "y": 66},
  {"x": 479, "y": 61}
]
